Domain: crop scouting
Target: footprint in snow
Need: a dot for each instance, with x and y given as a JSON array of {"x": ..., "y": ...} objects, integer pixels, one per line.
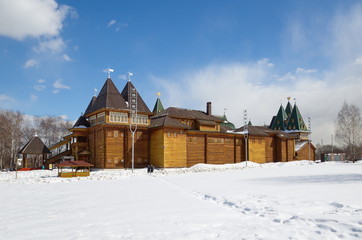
[{"x": 337, "y": 205}]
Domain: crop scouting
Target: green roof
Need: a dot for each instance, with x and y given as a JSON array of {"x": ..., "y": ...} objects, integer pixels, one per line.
[
  {"x": 296, "y": 121},
  {"x": 225, "y": 123},
  {"x": 288, "y": 109},
  {"x": 279, "y": 121},
  {"x": 158, "y": 106}
]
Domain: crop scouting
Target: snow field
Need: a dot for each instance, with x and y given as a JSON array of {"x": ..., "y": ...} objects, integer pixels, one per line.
[{"x": 296, "y": 200}]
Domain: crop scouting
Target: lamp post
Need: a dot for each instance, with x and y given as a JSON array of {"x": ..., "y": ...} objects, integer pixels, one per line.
[
  {"x": 309, "y": 136},
  {"x": 133, "y": 114},
  {"x": 246, "y": 136}
]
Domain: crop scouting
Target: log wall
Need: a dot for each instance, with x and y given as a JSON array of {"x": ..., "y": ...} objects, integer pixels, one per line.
[
  {"x": 174, "y": 148},
  {"x": 157, "y": 148}
]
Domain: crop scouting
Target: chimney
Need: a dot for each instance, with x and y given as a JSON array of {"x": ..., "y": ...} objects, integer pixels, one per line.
[{"x": 208, "y": 108}]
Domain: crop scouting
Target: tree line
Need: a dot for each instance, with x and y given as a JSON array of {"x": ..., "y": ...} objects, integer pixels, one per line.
[{"x": 16, "y": 129}]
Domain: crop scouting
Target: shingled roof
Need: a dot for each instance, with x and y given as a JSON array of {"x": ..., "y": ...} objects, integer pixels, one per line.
[
  {"x": 187, "y": 114},
  {"x": 82, "y": 122},
  {"x": 166, "y": 121},
  {"x": 288, "y": 109},
  {"x": 90, "y": 105},
  {"x": 263, "y": 131},
  {"x": 296, "y": 121},
  {"x": 109, "y": 97},
  {"x": 141, "y": 106},
  {"x": 158, "y": 106},
  {"x": 279, "y": 121},
  {"x": 35, "y": 146}
]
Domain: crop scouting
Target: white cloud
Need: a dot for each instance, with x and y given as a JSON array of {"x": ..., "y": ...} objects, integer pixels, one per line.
[
  {"x": 358, "y": 61},
  {"x": 50, "y": 44},
  {"x": 122, "y": 76},
  {"x": 39, "y": 87},
  {"x": 58, "y": 85},
  {"x": 67, "y": 58},
  {"x": 33, "y": 97},
  {"x": 241, "y": 86},
  {"x": 300, "y": 70},
  {"x": 32, "y": 18},
  {"x": 111, "y": 23},
  {"x": 4, "y": 97},
  {"x": 265, "y": 62},
  {"x": 31, "y": 63},
  {"x": 41, "y": 81}
]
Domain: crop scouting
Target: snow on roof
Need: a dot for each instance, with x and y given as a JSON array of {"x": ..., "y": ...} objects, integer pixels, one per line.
[{"x": 299, "y": 145}]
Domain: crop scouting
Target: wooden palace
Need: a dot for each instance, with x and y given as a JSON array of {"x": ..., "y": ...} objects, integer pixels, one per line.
[{"x": 175, "y": 137}]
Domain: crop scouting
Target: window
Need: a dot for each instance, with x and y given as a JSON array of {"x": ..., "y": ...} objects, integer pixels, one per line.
[
  {"x": 118, "y": 117},
  {"x": 115, "y": 133},
  {"x": 175, "y": 134},
  {"x": 139, "y": 135},
  {"x": 168, "y": 134},
  {"x": 194, "y": 139},
  {"x": 92, "y": 120},
  {"x": 141, "y": 119},
  {"x": 101, "y": 117}
]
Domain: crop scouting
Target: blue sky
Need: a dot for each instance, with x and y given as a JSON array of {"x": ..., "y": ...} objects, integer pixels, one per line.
[{"x": 237, "y": 54}]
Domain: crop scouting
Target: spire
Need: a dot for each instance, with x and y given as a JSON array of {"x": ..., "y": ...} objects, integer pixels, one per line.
[
  {"x": 296, "y": 121},
  {"x": 109, "y": 97},
  {"x": 288, "y": 108},
  {"x": 90, "y": 105},
  {"x": 279, "y": 122},
  {"x": 141, "y": 106},
  {"x": 158, "y": 105}
]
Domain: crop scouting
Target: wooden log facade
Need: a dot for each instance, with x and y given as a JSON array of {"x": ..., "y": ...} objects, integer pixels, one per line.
[{"x": 173, "y": 137}]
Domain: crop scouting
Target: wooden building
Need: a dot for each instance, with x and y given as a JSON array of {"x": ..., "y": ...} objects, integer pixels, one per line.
[
  {"x": 172, "y": 137},
  {"x": 34, "y": 153},
  {"x": 290, "y": 121}
]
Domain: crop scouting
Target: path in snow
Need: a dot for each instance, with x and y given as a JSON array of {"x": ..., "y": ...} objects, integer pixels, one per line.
[{"x": 296, "y": 200}]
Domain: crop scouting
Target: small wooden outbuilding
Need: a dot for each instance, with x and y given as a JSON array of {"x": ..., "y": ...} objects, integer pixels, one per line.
[
  {"x": 74, "y": 169},
  {"x": 36, "y": 148}
]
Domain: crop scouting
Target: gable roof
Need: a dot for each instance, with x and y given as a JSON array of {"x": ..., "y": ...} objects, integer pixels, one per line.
[
  {"x": 296, "y": 121},
  {"x": 126, "y": 94},
  {"x": 35, "y": 146},
  {"x": 109, "y": 97},
  {"x": 90, "y": 105},
  {"x": 187, "y": 114},
  {"x": 158, "y": 106}
]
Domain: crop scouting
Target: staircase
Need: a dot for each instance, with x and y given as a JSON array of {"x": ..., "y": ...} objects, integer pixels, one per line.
[{"x": 56, "y": 158}]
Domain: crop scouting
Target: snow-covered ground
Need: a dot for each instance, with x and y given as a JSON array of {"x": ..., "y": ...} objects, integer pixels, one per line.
[{"x": 296, "y": 200}]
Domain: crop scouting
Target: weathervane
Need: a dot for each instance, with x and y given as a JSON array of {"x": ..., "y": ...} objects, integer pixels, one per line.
[
  {"x": 109, "y": 70},
  {"x": 94, "y": 91},
  {"x": 129, "y": 76},
  {"x": 158, "y": 94}
]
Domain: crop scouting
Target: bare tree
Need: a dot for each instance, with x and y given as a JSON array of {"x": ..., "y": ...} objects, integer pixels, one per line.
[
  {"x": 16, "y": 130},
  {"x": 349, "y": 129},
  {"x": 11, "y": 138}
]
